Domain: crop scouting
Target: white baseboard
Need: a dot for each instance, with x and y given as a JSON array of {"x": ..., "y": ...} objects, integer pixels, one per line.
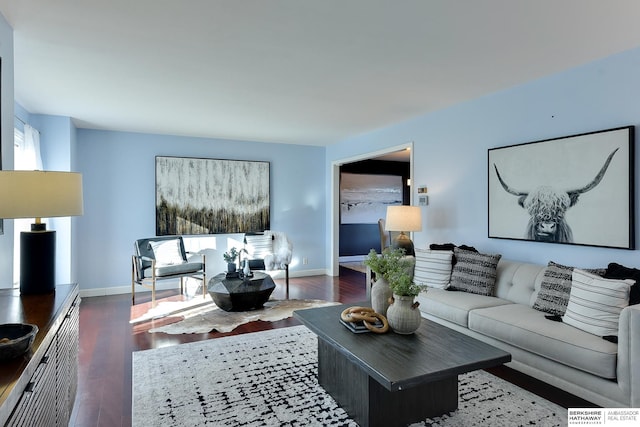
[
  {"x": 170, "y": 284},
  {"x": 352, "y": 258}
]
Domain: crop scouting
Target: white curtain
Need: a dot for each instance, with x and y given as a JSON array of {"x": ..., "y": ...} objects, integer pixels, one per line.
[
  {"x": 27, "y": 150},
  {"x": 26, "y": 156}
]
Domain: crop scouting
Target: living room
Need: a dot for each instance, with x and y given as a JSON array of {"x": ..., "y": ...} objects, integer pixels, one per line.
[{"x": 449, "y": 156}]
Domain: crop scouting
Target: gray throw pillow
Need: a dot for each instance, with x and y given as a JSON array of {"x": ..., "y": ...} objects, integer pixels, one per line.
[
  {"x": 555, "y": 288},
  {"x": 474, "y": 272}
]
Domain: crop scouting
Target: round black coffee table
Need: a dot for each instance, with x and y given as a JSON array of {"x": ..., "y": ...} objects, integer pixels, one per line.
[{"x": 241, "y": 294}]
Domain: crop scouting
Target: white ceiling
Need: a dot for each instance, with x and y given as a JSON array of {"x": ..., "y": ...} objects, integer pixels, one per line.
[{"x": 293, "y": 71}]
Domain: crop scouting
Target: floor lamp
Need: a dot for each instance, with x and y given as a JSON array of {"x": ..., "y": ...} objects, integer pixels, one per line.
[
  {"x": 403, "y": 218},
  {"x": 39, "y": 194}
]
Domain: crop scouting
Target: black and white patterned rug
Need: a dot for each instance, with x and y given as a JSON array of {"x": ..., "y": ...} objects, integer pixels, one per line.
[{"x": 269, "y": 379}]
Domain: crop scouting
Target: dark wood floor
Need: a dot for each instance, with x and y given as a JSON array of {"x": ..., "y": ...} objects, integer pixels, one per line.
[{"x": 107, "y": 340}]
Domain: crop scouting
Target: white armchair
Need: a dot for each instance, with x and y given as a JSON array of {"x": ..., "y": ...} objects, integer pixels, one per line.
[{"x": 269, "y": 251}]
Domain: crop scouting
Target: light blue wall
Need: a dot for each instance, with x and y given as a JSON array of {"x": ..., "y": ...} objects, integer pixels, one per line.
[
  {"x": 57, "y": 142},
  {"x": 119, "y": 192},
  {"x": 450, "y": 152},
  {"x": 6, "y": 127}
]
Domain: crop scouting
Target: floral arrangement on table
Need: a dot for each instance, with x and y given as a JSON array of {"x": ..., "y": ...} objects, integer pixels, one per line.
[
  {"x": 394, "y": 295},
  {"x": 403, "y": 285},
  {"x": 392, "y": 261},
  {"x": 230, "y": 257}
]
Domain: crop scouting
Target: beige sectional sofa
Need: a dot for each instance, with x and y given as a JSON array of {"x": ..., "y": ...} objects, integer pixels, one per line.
[{"x": 600, "y": 371}]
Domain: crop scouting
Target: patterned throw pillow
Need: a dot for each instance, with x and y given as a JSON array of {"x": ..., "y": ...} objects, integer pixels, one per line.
[
  {"x": 433, "y": 268},
  {"x": 259, "y": 245},
  {"x": 555, "y": 288},
  {"x": 595, "y": 303},
  {"x": 474, "y": 272}
]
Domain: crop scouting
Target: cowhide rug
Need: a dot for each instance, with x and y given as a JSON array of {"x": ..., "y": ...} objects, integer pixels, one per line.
[{"x": 201, "y": 315}]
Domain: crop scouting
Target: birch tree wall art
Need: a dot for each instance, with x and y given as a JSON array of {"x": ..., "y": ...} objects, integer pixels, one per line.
[{"x": 211, "y": 196}]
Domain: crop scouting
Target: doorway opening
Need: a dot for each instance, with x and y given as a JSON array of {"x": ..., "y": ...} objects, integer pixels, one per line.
[{"x": 362, "y": 187}]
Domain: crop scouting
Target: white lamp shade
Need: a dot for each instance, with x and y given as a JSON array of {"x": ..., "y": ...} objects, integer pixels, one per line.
[
  {"x": 403, "y": 218},
  {"x": 40, "y": 194}
]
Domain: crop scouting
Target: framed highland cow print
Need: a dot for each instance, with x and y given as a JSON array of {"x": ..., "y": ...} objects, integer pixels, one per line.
[
  {"x": 211, "y": 196},
  {"x": 576, "y": 190}
]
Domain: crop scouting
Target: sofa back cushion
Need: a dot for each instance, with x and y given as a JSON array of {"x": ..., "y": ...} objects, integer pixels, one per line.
[{"x": 518, "y": 281}]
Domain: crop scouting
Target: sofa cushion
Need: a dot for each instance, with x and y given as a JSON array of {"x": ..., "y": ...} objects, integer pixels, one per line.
[
  {"x": 474, "y": 272},
  {"x": 454, "y": 306},
  {"x": 555, "y": 288},
  {"x": 518, "y": 281},
  {"x": 433, "y": 268},
  {"x": 527, "y": 328},
  {"x": 167, "y": 252},
  {"x": 595, "y": 303}
]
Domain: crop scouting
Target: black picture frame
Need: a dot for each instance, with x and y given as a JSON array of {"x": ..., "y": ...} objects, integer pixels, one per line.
[
  {"x": 211, "y": 196},
  {"x": 576, "y": 190}
]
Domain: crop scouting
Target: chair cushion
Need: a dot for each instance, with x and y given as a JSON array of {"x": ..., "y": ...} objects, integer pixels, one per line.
[
  {"x": 595, "y": 303},
  {"x": 433, "y": 268},
  {"x": 474, "y": 272},
  {"x": 527, "y": 328},
  {"x": 167, "y": 252},
  {"x": 175, "y": 269}
]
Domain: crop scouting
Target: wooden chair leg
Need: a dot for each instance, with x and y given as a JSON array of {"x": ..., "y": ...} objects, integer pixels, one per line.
[{"x": 153, "y": 293}]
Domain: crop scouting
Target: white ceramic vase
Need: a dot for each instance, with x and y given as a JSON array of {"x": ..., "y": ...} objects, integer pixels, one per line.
[
  {"x": 380, "y": 294},
  {"x": 403, "y": 315},
  {"x": 247, "y": 269}
]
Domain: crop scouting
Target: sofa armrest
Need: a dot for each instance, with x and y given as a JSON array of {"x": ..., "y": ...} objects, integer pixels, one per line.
[{"x": 628, "y": 370}]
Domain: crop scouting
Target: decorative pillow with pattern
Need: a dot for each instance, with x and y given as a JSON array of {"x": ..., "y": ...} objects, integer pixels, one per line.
[
  {"x": 595, "y": 303},
  {"x": 474, "y": 272},
  {"x": 259, "y": 245},
  {"x": 433, "y": 268},
  {"x": 555, "y": 288}
]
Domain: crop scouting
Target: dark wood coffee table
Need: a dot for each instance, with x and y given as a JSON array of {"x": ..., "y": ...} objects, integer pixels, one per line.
[
  {"x": 241, "y": 294},
  {"x": 390, "y": 379}
]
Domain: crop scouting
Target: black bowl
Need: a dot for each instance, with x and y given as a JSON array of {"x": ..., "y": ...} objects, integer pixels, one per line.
[{"x": 16, "y": 339}]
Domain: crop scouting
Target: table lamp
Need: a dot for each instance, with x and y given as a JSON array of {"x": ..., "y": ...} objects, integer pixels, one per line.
[
  {"x": 403, "y": 218},
  {"x": 39, "y": 194}
]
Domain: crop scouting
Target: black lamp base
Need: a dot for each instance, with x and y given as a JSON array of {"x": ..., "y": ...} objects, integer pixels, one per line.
[
  {"x": 37, "y": 262},
  {"x": 404, "y": 242}
]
